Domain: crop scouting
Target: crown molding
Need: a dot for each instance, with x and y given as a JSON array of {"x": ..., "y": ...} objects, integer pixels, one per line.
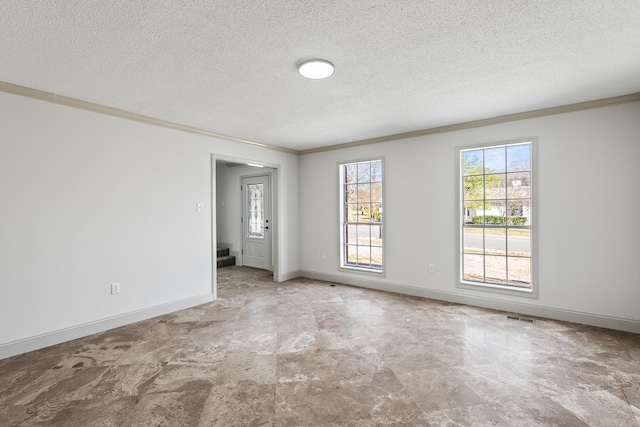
[
  {"x": 634, "y": 97},
  {"x": 97, "y": 108}
]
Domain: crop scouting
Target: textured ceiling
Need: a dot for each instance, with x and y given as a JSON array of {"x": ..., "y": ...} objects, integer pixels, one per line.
[{"x": 230, "y": 66}]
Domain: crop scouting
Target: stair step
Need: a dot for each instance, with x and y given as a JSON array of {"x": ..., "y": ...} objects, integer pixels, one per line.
[
  {"x": 226, "y": 261},
  {"x": 220, "y": 252}
]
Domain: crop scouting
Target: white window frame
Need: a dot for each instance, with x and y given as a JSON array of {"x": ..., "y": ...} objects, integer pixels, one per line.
[
  {"x": 532, "y": 291},
  {"x": 343, "y": 222}
]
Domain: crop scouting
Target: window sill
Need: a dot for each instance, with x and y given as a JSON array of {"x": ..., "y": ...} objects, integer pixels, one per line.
[
  {"x": 499, "y": 289},
  {"x": 368, "y": 271}
]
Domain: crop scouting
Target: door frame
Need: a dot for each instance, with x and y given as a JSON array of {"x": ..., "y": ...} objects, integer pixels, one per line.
[{"x": 274, "y": 170}]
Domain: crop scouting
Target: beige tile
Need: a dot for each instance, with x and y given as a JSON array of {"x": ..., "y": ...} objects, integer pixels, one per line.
[{"x": 307, "y": 353}]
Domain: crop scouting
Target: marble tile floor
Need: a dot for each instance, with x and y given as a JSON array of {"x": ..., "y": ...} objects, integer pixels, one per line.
[{"x": 306, "y": 353}]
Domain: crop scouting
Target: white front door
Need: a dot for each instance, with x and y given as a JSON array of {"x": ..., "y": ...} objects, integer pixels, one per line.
[{"x": 256, "y": 222}]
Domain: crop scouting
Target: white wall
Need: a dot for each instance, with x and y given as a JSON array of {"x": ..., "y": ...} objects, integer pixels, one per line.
[
  {"x": 88, "y": 199},
  {"x": 588, "y": 162}
]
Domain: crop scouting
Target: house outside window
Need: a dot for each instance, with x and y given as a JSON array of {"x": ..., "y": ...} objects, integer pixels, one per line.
[
  {"x": 496, "y": 226},
  {"x": 361, "y": 216}
]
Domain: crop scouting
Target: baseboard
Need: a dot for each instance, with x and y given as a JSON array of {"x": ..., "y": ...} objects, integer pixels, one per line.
[
  {"x": 508, "y": 306},
  {"x": 283, "y": 277},
  {"x": 45, "y": 340}
]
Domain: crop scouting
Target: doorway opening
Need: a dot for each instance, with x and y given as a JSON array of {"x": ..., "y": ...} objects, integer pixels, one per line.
[{"x": 233, "y": 216}]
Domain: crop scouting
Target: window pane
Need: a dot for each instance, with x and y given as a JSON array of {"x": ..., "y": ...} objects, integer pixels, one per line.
[
  {"x": 519, "y": 242},
  {"x": 351, "y": 236},
  {"x": 351, "y": 192},
  {"x": 376, "y": 212},
  {"x": 364, "y": 234},
  {"x": 376, "y": 192},
  {"x": 364, "y": 255},
  {"x": 473, "y": 213},
  {"x": 495, "y": 241},
  {"x": 494, "y": 160},
  {"x": 496, "y": 269},
  {"x": 519, "y": 158},
  {"x": 495, "y": 186},
  {"x": 494, "y": 213},
  {"x": 473, "y": 187},
  {"x": 473, "y": 266},
  {"x": 351, "y": 174},
  {"x": 376, "y": 256},
  {"x": 376, "y": 171},
  {"x": 519, "y": 212},
  {"x": 472, "y": 162},
  {"x": 352, "y": 254},
  {"x": 352, "y": 212},
  {"x": 364, "y": 172},
  {"x": 518, "y": 185},
  {"x": 376, "y": 235},
  {"x": 364, "y": 193},
  {"x": 473, "y": 240},
  {"x": 362, "y": 214},
  {"x": 520, "y": 272}
]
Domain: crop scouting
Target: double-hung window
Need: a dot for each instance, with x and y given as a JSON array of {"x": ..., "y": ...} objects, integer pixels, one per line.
[
  {"x": 497, "y": 216},
  {"x": 361, "y": 215}
]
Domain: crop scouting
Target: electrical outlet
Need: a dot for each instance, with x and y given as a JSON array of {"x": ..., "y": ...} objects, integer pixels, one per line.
[
  {"x": 115, "y": 288},
  {"x": 432, "y": 268},
  {"x": 323, "y": 256}
]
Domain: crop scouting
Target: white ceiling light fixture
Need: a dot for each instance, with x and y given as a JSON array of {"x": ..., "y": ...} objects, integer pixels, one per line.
[{"x": 316, "y": 69}]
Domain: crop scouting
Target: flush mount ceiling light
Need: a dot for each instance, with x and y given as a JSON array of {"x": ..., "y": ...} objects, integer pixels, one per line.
[{"x": 316, "y": 69}]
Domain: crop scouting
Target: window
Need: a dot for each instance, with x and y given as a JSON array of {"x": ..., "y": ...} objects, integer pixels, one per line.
[
  {"x": 496, "y": 194},
  {"x": 361, "y": 216}
]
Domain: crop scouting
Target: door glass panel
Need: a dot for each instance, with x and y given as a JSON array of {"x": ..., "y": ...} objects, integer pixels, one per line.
[{"x": 255, "y": 199}]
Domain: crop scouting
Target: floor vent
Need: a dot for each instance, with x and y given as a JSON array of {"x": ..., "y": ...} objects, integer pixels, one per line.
[{"x": 523, "y": 319}]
